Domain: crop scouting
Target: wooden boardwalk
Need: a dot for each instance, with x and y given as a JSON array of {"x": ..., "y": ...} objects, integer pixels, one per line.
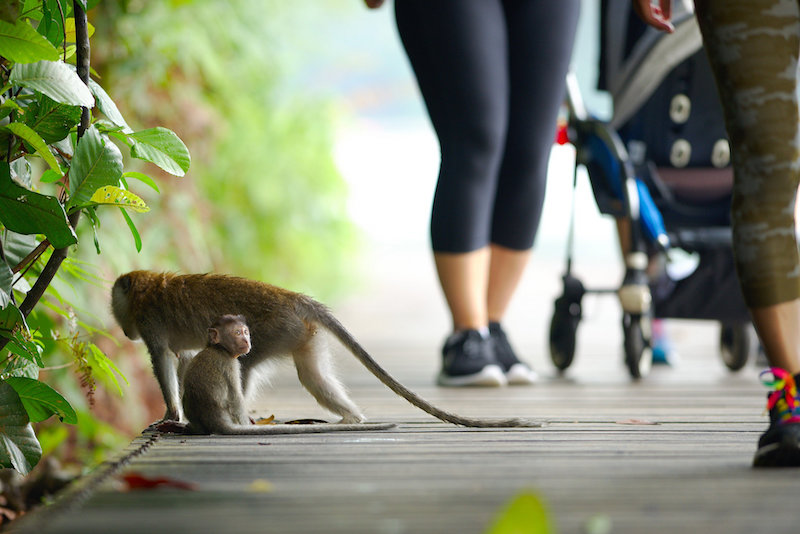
[{"x": 669, "y": 454}]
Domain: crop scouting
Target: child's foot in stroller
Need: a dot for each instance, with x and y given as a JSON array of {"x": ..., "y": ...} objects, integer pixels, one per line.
[
  {"x": 663, "y": 351},
  {"x": 779, "y": 446},
  {"x": 468, "y": 360},
  {"x": 516, "y": 371}
]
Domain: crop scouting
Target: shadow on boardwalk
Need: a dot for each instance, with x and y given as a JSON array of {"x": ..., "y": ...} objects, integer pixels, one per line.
[{"x": 669, "y": 454}]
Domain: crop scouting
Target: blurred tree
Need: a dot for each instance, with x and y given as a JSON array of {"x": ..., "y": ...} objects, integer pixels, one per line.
[{"x": 263, "y": 199}]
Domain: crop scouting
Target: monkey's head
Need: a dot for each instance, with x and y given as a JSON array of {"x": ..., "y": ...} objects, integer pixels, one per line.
[
  {"x": 121, "y": 305},
  {"x": 230, "y": 332}
]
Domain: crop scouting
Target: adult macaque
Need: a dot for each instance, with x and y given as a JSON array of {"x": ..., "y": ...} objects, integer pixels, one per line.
[
  {"x": 212, "y": 398},
  {"x": 171, "y": 313}
]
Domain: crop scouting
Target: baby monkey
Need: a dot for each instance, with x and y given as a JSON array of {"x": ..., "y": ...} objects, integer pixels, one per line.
[{"x": 213, "y": 400}]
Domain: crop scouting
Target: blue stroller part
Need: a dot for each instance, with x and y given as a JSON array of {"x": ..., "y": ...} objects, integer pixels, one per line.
[{"x": 662, "y": 162}]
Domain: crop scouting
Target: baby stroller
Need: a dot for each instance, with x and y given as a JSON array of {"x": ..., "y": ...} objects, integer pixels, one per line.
[{"x": 662, "y": 162}]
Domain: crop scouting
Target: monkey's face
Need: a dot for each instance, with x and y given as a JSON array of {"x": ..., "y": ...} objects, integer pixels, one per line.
[
  {"x": 241, "y": 336},
  {"x": 121, "y": 308}
]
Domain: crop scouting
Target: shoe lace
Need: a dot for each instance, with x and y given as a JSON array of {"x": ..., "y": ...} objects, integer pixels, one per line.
[{"x": 783, "y": 399}]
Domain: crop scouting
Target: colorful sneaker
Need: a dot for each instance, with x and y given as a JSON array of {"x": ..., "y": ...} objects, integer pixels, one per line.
[
  {"x": 663, "y": 351},
  {"x": 468, "y": 360},
  {"x": 779, "y": 446},
  {"x": 517, "y": 372}
]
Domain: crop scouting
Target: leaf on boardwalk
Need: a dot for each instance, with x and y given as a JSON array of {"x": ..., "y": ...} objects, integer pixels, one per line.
[
  {"x": 137, "y": 481},
  {"x": 636, "y": 422},
  {"x": 525, "y": 514},
  {"x": 260, "y": 485},
  {"x": 306, "y": 422}
]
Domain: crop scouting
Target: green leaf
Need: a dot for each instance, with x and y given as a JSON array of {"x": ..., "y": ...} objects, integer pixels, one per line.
[
  {"x": 54, "y": 79},
  {"x": 25, "y": 132},
  {"x": 50, "y": 177},
  {"x": 26, "y": 349},
  {"x": 162, "y": 147},
  {"x": 96, "y": 163},
  {"x": 7, "y": 107},
  {"x": 137, "y": 239},
  {"x": 525, "y": 514},
  {"x": 19, "y": 448},
  {"x": 142, "y": 178},
  {"x": 110, "y": 195},
  {"x": 41, "y": 401},
  {"x": 104, "y": 369},
  {"x": 16, "y": 246},
  {"x": 50, "y": 119},
  {"x": 10, "y": 321},
  {"x": 20, "y": 43},
  {"x": 25, "y": 212},
  {"x": 108, "y": 107},
  {"x": 6, "y": 277}
]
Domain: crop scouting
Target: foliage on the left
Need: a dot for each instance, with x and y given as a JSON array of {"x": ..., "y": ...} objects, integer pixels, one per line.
[{"x": 53, "y": 168}]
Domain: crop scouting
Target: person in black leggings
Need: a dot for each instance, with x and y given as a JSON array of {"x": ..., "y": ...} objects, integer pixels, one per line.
[{"x": 492, "y": 75}]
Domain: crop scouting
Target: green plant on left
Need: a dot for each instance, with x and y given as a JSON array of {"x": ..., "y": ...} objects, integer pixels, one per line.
[{"x": 58, "y": 161}]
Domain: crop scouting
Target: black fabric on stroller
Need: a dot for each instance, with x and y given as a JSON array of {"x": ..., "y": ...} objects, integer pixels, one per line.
[{"x": 677, "y": 144}]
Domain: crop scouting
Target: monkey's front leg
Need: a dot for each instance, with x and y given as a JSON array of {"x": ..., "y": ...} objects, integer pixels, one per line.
[{"x": 165, "y": 367}]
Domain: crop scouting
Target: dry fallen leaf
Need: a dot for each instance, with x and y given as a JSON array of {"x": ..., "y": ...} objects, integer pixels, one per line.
[
  {"x": 260, "y": 485},
  {"x": 265, "y": 420},
  {"x": 305, "y": 422}
]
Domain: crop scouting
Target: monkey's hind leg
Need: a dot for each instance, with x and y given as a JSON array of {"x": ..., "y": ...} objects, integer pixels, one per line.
[{"x": 315, "y": 372}]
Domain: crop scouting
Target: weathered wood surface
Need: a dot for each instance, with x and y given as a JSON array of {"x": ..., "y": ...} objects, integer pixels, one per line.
[{"x": 595, "y": 457}]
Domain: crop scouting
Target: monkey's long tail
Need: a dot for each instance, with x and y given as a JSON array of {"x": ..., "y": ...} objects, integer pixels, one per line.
[{"x": 338, "y": 330}]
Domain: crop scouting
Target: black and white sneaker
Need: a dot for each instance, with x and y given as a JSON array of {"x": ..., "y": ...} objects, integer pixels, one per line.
[
  {"x": 516, "y": 371},
  {"x": 779, "y": 446},
  {"x": 468, "y": 360}
]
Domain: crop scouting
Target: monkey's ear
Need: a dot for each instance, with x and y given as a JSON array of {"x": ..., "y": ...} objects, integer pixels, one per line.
[{"x": 213, "y": 336}]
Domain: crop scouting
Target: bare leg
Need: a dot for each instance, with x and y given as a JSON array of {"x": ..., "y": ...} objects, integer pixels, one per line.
[
  {"x": 778, "y": 327},
  {"x": 464, "y": 280},
  {"x": 505, "y": 271}
]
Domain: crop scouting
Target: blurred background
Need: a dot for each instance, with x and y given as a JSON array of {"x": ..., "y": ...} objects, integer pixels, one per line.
[{"x": 313, "y": 168}]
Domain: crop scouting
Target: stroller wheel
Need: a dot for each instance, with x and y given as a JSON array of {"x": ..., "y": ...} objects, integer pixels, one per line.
[
  {"x": 735, "y": 345},
  {"x": 563, "y": 331},
  {"x": 638, "y": 354}
]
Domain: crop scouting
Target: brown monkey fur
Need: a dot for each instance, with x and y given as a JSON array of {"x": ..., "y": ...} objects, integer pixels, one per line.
[
  {"x": 171, "y": 314},
  {"x": 212, "y": 397}
]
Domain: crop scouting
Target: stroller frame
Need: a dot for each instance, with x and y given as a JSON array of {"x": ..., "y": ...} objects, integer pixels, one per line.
[{"x": 600, "y": 149}]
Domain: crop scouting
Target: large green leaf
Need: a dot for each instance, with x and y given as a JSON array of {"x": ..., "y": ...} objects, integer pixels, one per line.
[
  {"x": 96, "y": 163},
  {"x": 19, "y": 448},
  {"x": 50, "y": 119},
  {"x": 20, "y": 43},
  {"x": 55, "y": 79},
  {"x": 26, "y": 212},
  {"x": 162, "y": 147},
  {"x": 41, "y": 401},
  {"x": 25, "y": 132},
  {"x": 108, "y": 107}
]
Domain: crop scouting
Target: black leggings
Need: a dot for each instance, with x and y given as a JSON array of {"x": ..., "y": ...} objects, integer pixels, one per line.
[{"x": 492, "y": 75}]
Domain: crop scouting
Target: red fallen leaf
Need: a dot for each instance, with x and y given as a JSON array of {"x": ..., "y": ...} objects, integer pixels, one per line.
[{"x": 137, "y": 481}]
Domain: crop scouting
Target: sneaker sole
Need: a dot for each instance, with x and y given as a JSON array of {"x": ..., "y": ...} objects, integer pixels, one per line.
[
  {"x": 777, "y": 455},
  {"x": 521, "y": 375},
  {"x": 489, "y": 376}
]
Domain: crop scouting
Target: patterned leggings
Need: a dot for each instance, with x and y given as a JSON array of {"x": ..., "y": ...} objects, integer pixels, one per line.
[{"x": 753, "y": 46}]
